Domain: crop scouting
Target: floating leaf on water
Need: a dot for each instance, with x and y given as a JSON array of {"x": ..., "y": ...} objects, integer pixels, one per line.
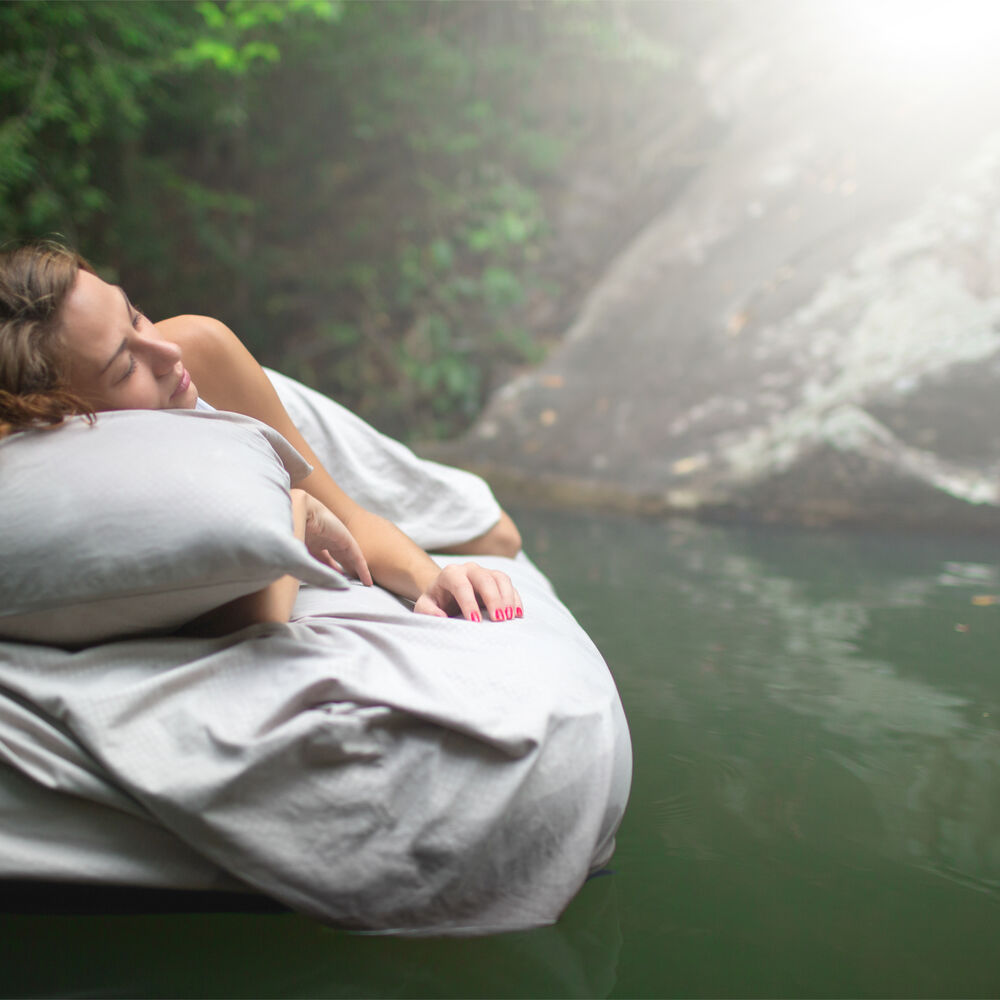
[{"x": 985, "y": 600}]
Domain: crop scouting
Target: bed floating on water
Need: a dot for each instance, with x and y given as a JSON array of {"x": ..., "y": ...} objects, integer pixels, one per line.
[{"x": 368, "y": 766}]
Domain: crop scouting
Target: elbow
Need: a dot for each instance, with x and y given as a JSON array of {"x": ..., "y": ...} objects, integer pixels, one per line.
[
  {"x": 510, "y": 544},
  {"x": 503, "y": 539}
]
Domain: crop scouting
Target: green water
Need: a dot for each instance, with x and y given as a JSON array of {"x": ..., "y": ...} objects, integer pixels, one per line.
[{"x": 815, "y": 808}]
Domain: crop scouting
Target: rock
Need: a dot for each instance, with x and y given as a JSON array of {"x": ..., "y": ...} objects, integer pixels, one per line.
[{"x": 810, "y": 332}]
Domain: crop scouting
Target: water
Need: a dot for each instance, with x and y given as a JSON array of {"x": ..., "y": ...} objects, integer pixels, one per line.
[{"x": 815, "y": 809}]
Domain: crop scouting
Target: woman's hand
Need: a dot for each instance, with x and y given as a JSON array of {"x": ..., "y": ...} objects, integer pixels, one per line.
[
  {"x": 463, "y": 587},
  {"x": 329, "y": 541}
]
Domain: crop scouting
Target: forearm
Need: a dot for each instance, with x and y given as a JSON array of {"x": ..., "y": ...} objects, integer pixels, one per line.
[
  {"x": 395, "y": 560},
  {"x": 272, "y": 604}
]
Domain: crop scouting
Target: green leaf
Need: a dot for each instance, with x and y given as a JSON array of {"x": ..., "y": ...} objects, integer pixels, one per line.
[{"x": 211, "y": 14}]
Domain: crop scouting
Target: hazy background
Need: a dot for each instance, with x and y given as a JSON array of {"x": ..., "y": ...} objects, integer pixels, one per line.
[
  {"x": 740, "y": 258},
  {"x": 364, "y": 191}
]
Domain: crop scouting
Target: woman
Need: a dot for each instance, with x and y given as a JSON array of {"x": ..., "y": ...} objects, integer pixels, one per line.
[{"x": 70, "y": 343}]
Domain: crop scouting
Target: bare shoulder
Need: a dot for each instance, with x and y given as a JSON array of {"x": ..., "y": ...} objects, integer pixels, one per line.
[
  {"x": 225, "y": 372},
  {"x": 196, "y": 335}
]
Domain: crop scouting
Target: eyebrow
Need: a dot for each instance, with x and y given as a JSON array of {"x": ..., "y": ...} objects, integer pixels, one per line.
[{"x": 123, "y": 346}]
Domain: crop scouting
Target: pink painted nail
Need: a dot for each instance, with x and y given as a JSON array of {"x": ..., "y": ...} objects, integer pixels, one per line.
[
  {"x": 519, "y": 613},
  {"x": 498, "y": 615},
  {"x": 509, "y": 612},
  {"x": 475, "y": 617}
]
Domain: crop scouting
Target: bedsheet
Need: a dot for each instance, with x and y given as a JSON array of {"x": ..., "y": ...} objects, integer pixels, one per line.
[
  {"x": 374, "y": 768},
  {"x": 371, "y": 767}
]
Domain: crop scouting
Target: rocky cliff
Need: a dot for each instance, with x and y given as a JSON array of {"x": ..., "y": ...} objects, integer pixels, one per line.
[{"x": 809, "y": 329}]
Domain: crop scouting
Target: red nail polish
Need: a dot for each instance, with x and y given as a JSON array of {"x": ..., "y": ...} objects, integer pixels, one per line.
[
  {"x": 475, "y": 617},
  {"x": 519, "y": 613},
  {"x": 509, "y": 612},
  {"x": 498, "y": 615}
]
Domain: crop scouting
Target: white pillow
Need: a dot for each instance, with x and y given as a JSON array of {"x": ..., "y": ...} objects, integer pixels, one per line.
[{"x": 143, "y": 521}]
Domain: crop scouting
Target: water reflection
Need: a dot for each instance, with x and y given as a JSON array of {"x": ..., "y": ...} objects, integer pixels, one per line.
[{"x": 815, "y": 728}]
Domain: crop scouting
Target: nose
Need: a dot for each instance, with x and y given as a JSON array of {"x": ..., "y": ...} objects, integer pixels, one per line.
[{"x": 163, "y": 355}]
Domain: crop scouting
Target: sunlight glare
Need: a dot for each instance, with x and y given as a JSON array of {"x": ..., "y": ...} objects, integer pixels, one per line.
[{"x": 910, "y": 36}]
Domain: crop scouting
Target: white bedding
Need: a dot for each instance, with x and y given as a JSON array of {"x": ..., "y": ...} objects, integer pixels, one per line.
[
  {"x": 372, "y": 767},
  {"x": 436, "y": 505}
]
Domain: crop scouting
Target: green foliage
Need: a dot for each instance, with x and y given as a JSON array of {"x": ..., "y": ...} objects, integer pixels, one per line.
[
  {"x": 72, "y": 84},
  {"x": 231, "y": 41},
  {"x": 359, "y": 189}
]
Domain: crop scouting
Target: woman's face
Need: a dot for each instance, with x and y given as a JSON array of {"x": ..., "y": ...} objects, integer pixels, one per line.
[{"x": 117, "y": 358}]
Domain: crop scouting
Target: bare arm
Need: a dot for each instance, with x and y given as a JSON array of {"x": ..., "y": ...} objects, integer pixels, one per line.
[
  {"x": 229, "y": 378},
  {"x": 503, "y": 539}
]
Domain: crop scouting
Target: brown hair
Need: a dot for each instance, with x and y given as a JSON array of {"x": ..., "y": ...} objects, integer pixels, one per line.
[{"x": 35, "y": 281}]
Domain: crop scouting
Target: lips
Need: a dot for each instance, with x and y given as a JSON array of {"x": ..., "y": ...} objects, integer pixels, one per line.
[{"x": 182, "y": 385}]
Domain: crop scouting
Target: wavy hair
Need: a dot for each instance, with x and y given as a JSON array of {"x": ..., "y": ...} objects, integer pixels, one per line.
[{"x": 35, "y": 281}]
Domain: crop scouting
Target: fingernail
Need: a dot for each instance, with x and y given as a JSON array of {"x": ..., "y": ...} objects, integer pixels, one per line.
[
  {"x": 474, "y": 617},
  {"x": 519, "y": 612},
  {"x": 509, "y": 612},
  {"x": 498, "y": 615}
]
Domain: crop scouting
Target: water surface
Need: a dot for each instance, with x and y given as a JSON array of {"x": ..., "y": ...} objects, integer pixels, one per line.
[{"x": 815, "y": 807}]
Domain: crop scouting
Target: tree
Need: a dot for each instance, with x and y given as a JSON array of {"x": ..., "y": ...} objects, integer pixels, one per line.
[{"x": 360, "y": 190}]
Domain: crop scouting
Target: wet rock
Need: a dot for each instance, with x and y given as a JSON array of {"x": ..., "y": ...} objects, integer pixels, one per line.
[{"x": 810, "y": 331}]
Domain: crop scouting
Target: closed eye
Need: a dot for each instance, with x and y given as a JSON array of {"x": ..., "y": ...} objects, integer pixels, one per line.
[{"x": 131, "y": 367}]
